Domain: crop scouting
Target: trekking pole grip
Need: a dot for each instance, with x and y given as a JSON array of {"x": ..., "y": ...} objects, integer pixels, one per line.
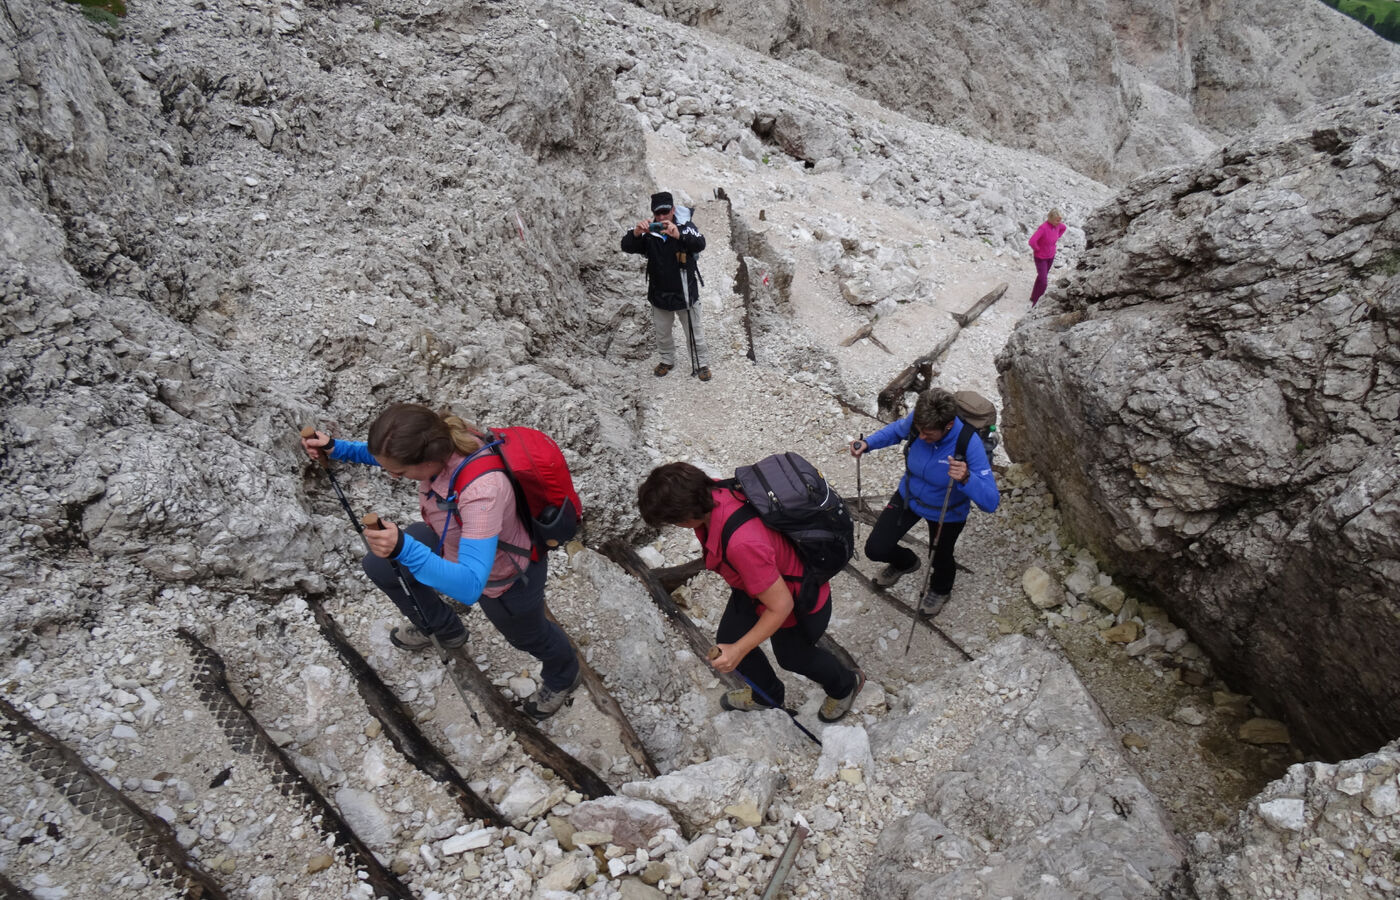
[
  {"x": 714, "y": 653},
  {"x": 309, "y": 432},
  {"x": 371, "y": 521}
]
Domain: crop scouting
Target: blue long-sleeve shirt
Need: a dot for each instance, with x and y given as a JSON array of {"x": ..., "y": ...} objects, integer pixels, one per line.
[
  {"x": 462, "y": 580},
  {"x": 926, "y": 478}
]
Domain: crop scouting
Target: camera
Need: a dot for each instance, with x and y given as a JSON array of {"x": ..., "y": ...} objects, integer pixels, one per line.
[{"x": 657, "y": 227}]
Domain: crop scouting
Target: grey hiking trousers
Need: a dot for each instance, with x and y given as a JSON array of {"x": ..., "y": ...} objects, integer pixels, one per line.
[{"x": 664, "y": 319}]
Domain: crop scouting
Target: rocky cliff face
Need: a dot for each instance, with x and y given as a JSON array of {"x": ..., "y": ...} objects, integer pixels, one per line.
[
  {"x": 1112, "y": 89},
  {"x": 202, "y": 251},
  {"x": 1214, "y": 394}
]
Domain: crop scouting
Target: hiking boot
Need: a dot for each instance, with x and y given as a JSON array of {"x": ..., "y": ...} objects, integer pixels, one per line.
[
  {"x": 705, "y": 373},
  {"x": 742, "y": 700},
  {"x": 932, "y": 604},
  {"x": 892, "y": 573},
  {"x": 545, "y": 702},
  {"x": 661, "y": 369},
  {"x": 832, "y": 709},
  {"x": 411, "y": 637}
]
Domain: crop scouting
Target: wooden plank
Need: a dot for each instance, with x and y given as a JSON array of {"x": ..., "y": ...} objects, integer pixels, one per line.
[
  {"x": 700, "y": 642},
  {"x": 904, "y": 610},
  {"x": 608, "y": 706},
  {"x": 398, "y": 722},
  {"x": 992, "y": 296},
  {"x": 673, "y": 577},
  {"x": 464, "y": 673}
]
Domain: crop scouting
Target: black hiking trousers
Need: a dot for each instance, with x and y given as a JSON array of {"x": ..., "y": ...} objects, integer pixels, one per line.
[
  {"x": 519, "y": 614},
  {"x": 895, "y": 521},
  {"x": 791, "y": 648}
]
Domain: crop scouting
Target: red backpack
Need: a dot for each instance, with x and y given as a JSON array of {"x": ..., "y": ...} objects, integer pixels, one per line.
[{"x": 545, "y": 497}]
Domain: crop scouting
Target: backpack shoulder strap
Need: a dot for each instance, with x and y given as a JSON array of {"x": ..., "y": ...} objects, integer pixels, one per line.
[
  {"x": 964, "y": 438},
  {"x": 740, "y": 516}
]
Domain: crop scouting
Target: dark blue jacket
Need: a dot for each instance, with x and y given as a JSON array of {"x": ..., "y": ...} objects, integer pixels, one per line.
[{"x": 926, "y": 478}]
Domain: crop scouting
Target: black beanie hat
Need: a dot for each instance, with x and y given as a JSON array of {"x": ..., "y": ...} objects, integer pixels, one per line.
[{"x": 661, "y": 202}]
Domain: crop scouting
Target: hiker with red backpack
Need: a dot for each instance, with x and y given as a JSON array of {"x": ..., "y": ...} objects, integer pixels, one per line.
[
  {"x": 766, "y": 602},
  {"x": 946, "y": 470},
  {"x": 478, "y": 542}
]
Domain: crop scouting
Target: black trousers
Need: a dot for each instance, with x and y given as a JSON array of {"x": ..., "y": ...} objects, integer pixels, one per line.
[
  {"x": 518, "y": 614},
  {"x": 793, "y": 650},
  {"x": 895, "y": 521}
]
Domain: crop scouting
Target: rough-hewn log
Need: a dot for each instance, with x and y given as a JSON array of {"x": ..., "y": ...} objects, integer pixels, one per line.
[
  {"x": 673, "y": 577},
  {"x": 534, "y": 742},
  {"x": 608, "y": 706},
  {"x": 967, "y": 318},
  {"x": 904, "y": 610},
  {"x": 402, "y": 730},
  {"x": 700, "y": 643}
]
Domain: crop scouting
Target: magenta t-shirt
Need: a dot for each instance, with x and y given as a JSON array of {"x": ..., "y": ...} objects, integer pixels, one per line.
[{"x": 757, "y": 555}]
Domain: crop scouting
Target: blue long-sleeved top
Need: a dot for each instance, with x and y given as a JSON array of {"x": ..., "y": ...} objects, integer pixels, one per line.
[
  {"x": 462, "y": 580},
  {"x": 926, "y": 476}
]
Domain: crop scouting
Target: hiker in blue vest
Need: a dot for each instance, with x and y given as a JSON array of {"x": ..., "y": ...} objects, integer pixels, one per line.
[
  {"x": 670, "y": 243},
  {"x": 474, "y": 548},
  {"x": 937, "y": 486}
]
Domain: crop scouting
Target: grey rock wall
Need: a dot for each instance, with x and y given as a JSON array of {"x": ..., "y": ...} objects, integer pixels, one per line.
[
  {"x": 1039, "y": 801},
  {"x": 231, "y": 222},
  {"x": 1112, "y": 89},
  {"x": 1213, "y": 397}
]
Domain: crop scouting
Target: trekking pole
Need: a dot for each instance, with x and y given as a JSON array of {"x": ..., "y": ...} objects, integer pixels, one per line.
[
  {"x": 325, "y": 462},
  {"x": 714, "y": 653},
  {"x": 371, "y": 520},
  {"x": 690, "y": 338},
  {"x": 860, "y": 492},
  {"x": 928, "y": 574}
]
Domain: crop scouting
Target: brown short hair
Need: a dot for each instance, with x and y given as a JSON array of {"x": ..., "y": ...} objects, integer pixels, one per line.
[
  {"x": 675, "y": 492},
  {"x": 933, "y": 409}
]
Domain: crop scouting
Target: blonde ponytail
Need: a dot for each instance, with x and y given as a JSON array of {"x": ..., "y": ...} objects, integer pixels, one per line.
[{"x": 465, "y": 436}]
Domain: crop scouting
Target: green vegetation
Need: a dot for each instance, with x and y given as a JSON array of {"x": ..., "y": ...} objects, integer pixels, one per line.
[
  {"x": 103, "y": 12},
  {"x": 94, "y": 8},
  {"x": 1381, "y": 16}
]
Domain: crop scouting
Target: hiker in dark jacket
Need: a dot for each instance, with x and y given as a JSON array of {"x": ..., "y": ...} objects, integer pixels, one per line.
[
  {"x": 672, "y": 287},
  {"x": 761, "y": 567},
  {"x": 932, "y": 478},
  {"x": 472, "y": 548}
]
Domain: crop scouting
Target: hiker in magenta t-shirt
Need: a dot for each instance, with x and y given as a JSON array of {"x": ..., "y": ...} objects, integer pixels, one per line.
[
  {"x": 1043, "y": 248},
  {"x": 762, "y": 568}
]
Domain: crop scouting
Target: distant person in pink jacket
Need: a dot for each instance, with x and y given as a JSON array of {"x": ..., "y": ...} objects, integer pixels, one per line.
[{"x": 1043, "y": 247}]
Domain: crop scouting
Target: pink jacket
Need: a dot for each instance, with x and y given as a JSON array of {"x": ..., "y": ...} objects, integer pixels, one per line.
[{"x": 1044, "y": 240}]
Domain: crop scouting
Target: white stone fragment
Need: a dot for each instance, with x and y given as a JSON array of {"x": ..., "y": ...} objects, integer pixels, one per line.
[
  {"x": 472, "y": 840},
  {"x": 1384, "y": 800},
  {"x": 1285, "y": 814}
]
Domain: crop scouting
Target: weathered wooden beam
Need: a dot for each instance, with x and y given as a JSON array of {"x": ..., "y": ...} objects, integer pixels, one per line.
[
  {"x": 398, "y": 722},
  {"x": 914, "y": 378},
  {"x": 904, "y": 610},
  {"x": 607, "y": 704},
  {"x": 992, "y": 296},
  {"x": 700, "y": 643},
  {"x": 462, "y": 669},
  {"x": 673, "y": 577}
]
